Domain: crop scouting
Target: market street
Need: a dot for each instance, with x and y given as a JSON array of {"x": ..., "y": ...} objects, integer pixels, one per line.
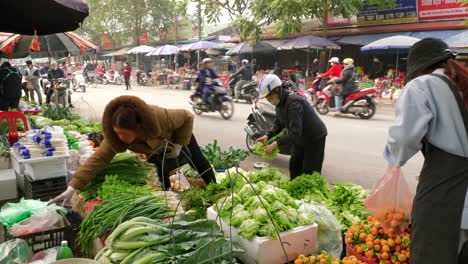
[{"x": 353, "y": 151}]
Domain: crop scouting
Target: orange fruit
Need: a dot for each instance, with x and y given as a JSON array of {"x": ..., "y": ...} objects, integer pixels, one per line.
[
  {"x": 384, "y": 256},
  {"x": 391, "y": 242},
  {"x": 402, "y": 258},
  {"x": 386, "y": 248}
]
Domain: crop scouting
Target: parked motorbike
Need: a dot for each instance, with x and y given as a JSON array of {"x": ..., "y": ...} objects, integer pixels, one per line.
[
  {"x": 219, "y": 99},
  {"x": 360, "y": 103},
  {"x": 259, "y": 122},
  {"x": 248, "y": 91},
  {"x": 142, "y": 78},
  {"x": 78, "y": 81},
  {"x": 112, "y": 78},
  {"x": 60, "y": 91}
]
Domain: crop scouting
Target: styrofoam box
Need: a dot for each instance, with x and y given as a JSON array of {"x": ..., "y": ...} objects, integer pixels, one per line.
[
  {"x": 44, "y": 167},
  {"x": 5, "y": 163},
  {"x": 15, "y": 164},
  {"x": 8, "y": 189},
  {"x": 263, "y": 250}
]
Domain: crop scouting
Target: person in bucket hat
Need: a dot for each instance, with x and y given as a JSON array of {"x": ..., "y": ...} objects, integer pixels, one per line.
[{"x": 432, "y": 117}]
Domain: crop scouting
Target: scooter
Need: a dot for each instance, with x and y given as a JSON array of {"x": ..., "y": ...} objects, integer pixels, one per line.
[
  {"x": 360, "y": 103},
  {"x": 219, "y": 99},
  {"x": 112, "y": 78},
  {"x": 259, "y": 122},
  {"x": 142, "y": 78},
  {"x": 248, "y": 91},
  {"x": 78, "y": 81}
]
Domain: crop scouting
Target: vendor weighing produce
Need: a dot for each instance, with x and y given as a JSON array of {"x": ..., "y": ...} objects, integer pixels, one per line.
[{"x": 161, "y": 134}]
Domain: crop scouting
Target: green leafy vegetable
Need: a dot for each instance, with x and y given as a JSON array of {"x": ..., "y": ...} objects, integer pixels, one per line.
[
  {"x": 259, "y": 147},
  {"x": 314, "y": 187},
  {"x": 113, "y": 186},
  {"x": 248, "y": 229},
  {"x": 222, "y": 160}
]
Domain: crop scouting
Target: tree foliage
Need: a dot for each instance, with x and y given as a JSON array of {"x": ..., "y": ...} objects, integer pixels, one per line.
[{"x": 122, "y": 19}]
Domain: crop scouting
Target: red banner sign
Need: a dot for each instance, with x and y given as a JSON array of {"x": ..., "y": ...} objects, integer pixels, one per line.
[
  {"x": 106, "y": 42},
  {"x": 441, "y": 9}
]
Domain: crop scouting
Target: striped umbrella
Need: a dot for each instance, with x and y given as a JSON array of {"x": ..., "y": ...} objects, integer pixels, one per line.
[{"x": 55, "y": 45}]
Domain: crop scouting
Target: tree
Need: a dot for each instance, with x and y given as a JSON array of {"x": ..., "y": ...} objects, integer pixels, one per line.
[{"x": 287, "y": 15}]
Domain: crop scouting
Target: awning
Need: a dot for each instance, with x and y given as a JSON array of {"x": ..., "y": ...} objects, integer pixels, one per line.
[
  {"x": 459, "y": 40},
  {"x": 119, "y": 52},
  {"x": 363, "y": 40}
]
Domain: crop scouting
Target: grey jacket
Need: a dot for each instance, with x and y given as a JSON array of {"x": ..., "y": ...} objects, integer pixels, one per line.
[
  {"x": 347, "y": 80},
  {"x": 246, "y": 73}
]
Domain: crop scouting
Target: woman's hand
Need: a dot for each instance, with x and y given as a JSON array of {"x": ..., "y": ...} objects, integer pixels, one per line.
[
  {"x": 270, "y": 148},
  {"x": 263, "y": 139},
  {"x": 65, "y": 197}
]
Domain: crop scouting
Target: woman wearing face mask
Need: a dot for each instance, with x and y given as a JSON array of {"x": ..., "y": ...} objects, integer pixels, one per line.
[
  {"x": 161, "y": 134},
  {"x": 306, "y": 131}
]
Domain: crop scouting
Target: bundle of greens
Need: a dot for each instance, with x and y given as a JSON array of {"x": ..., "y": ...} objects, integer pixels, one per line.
[
  {"x": 222, "y": 160},
  {"x": 189, "y": 172},
  {"x": 59, "y": 113},
  {"x": 347, "y": 203},
  {"x": 111, "y": 213},
  {"x": 259, "y": 148},
  {"x": 4, "y": 146},
  {"x": 199, "y": 200},
  {"x": 113, "y": 186},
  {"x": 261, "y": 210},
  {"x": 309, "y": 187},
  {"x": 68, "y": 125},
  {"x": 127, "y": 167},
  {"x": 144, "y": 240}
]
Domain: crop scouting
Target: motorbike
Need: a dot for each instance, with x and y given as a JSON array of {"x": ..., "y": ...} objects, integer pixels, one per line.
[
  {"x": 112, "y": 78},
  {"x": 302, "y": 93},
  {"x": 142, "y": 78},
  {"x": 219, "y": 99},
  {"x": 360, "y": 103},
  {"x": 248, "y": 91},
  {"x": 60, "y": 94},
  {"x": 259, "y": 122},
  {"x": 78, "y": 81}
]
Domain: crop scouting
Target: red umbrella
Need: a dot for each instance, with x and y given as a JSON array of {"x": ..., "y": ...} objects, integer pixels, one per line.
[{"x": 61, "y": 44}]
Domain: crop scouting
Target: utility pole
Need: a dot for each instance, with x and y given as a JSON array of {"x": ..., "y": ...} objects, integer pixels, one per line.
[
  {"x": 175, "y": 41},
  {"x": 199, "y": 29}
]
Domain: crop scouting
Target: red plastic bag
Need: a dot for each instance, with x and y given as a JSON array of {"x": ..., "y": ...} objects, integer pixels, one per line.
[{"x": 391, "y": 201}]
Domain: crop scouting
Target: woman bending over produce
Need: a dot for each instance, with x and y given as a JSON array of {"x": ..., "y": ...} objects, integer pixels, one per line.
[{"x": 161, "y": 134}]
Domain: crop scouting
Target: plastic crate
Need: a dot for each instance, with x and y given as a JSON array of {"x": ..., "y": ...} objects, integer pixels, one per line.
[
  {"x": 44, "y": 189},
  {"x": 47, "y": 167},
  {"x": 41, "y": 240}
]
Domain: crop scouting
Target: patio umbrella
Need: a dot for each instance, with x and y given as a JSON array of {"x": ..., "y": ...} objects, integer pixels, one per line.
[
  {"x": 42, "y": 17},
  {"x": 459, "y": 41},
  {"x": 58, "y": 45},
  {"x": 307, "y": 43},
  {"x": 200, "y": 45},
  {"x": 261, "y": 47},
  {"x": 164, "y": 51},
  {"x": 143, "y": 49},
  {"x": 393, "y": 45}
]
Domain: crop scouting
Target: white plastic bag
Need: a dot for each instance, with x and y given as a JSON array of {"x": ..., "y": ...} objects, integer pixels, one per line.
[{"x": 45, "y": 219}]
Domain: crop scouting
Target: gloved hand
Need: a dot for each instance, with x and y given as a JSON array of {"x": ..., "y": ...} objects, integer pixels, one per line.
[
  {"x": 175, "y": 152},
  {"x": 65, "y": 197}
]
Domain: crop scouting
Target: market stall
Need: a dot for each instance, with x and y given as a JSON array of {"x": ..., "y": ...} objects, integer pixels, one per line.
[{"x": 123, "y": 216}]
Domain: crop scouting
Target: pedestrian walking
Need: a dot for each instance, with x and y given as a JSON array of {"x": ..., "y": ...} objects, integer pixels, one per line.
[
  {"x": 126, "y": 74},
  {"x": 10, "y": 87},
  {"x": 32, "y": 78},
  {"x": 432, "y": 117}
]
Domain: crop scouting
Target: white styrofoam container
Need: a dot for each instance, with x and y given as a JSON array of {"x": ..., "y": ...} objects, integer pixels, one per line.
[
  {"x": 8, "y": 185},
  {"x": 15, "y": 164},
  {"x": 263, "y": 250},
  {"x": 5, "y": 163},
  {"x": 44, "y": 167}
]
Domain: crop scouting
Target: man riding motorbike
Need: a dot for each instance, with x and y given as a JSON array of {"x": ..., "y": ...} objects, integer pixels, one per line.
[
  {"x": 306, "y": 131},
  {"x": 207, "y": 77},
  {"x": 246, "y": 73},
  {"x": 347, "y": 84}
]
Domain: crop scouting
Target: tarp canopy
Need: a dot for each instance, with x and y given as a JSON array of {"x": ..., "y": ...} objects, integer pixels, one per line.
[
  {"x": 460, "y": 40},
  {"x": 119, "y": 52},
  {"x": 143, "y": 49}
]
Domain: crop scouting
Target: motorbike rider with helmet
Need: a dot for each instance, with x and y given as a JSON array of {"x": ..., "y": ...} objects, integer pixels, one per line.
[
  {"x": 206, "y": 77},
  {"x": 306, "y": 132},
  {"x": 347, "y": 84},
  {"x": 335, "y": 69},
  {"x": 246, "y": 73}
]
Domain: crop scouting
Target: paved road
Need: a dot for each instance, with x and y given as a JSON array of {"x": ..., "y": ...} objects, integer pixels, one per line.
[{"x": 354, "y": 146}]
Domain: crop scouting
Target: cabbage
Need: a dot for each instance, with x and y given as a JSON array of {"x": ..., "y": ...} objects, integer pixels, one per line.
[
  {"x": 283, "y": 221},
  {"x": 249, "y": 229},
  {"x": 305, "y": 219},
  {"x": 240, "y": 217},
  {"x": 268, "y": 230},
  {"x": 260, "y": 215},
  {"x": 246, "y": 192}
]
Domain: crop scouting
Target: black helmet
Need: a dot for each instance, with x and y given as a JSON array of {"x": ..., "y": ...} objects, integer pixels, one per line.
[{"x": 425, "y": 53}]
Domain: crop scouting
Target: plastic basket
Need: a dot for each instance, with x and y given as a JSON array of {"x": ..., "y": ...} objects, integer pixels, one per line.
[
  {"x": 41, "y": 240},
  {"x": 357, "y": 255},
  {"x": 44, "y": 189}
]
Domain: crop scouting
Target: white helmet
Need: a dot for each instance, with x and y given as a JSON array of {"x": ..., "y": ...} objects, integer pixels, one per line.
[
  {"x": 334, "y": 60},
  {"x": 207, "y": 60},
  {"x": 245, "y": 62},
  {"x": 267, "y": 84}
]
